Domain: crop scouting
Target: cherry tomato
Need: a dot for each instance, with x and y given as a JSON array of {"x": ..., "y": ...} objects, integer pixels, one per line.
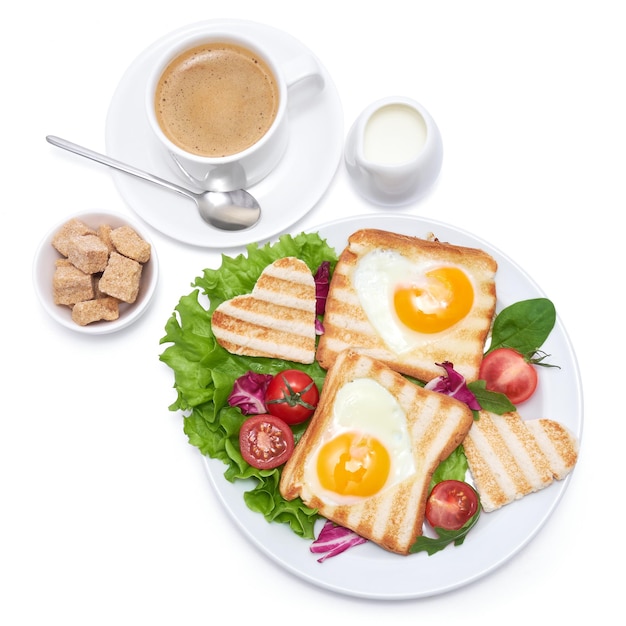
[
  {"x": 451, "y": 504},
  {"x": 292, "y": 395},
  {"x": 265, "y": 441},
  {"x": 508, "y": 372}
]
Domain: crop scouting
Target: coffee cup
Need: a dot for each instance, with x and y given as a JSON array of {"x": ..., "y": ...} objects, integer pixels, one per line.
[
  {"x": 218, "y": 105},
  {"x": 393, "y": 151}
]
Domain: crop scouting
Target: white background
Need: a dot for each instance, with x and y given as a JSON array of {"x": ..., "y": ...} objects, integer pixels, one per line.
[{"x": 106, "y": 513}]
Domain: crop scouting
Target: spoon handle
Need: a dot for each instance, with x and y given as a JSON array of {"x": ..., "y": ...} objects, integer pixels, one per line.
[{"x": 118, "y": 165}]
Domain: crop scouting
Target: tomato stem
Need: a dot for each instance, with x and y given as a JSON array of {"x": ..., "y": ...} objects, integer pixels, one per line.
[{"x": 293, "y": 398}]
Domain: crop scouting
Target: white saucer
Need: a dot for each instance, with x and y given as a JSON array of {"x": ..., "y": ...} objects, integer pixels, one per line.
[{"x": 286, "y": 195}]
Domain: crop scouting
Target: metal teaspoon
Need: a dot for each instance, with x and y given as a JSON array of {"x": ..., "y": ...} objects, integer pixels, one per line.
[{"x": 226, "y": 210}]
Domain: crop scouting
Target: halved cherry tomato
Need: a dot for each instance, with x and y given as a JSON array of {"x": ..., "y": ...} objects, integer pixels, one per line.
[
  {"x": 265, "y": 441},
  {"x": 292, "y": 395},
  {"x": 451, "y": 504},
  {"x": 508, "y": 372}
]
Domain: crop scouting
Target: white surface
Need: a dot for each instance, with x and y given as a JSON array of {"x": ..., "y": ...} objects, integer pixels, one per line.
[
  {"x": 286, "y": 195},
  {"x": 107, "y": 513},
  {"x": 370, "y": 572},
  {"x": 44, "y": 268}
]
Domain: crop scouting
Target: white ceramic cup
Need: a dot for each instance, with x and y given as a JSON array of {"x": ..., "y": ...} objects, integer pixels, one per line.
[
  {"x": 393, "y": 151},
  {"x": 243, "y": 169}
]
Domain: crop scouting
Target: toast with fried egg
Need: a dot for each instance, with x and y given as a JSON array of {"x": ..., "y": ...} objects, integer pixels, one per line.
[
  {"x": 368, "y": 455},
  {"x": 510, "y": 458},
  {"x": 411, "y": 303},
  {"x": 276, "y": 320}
]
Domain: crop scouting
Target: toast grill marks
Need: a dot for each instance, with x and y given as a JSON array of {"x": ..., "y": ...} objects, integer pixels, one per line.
[
  {"x": 347, "y": 326},
  {"x": 276, "y": 320},
  {"x": 510, "y": 458},
  {"x": 557, "y": 443},
  {"x": 436, "y": 425}
]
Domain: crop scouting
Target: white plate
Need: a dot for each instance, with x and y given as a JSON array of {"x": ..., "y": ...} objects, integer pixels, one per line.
[
  {"x": 286, "y": 195},
  {"x": 371, "y": 572}
]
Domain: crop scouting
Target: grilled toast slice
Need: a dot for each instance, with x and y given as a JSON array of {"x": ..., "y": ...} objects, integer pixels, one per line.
[
  {"x": 360, "y": 311},
  {"x": 276, "y": 320},
  {"x": 510, "y": 458},
  {"x": 430, "y": 424}
]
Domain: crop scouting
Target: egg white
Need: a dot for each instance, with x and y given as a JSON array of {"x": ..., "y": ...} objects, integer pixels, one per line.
[
  {"x": 364, "y": 405},
  {"x": 375, "y": 278}
]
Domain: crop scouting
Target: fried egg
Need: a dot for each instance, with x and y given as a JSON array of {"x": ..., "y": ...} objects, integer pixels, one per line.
[
  {"x": 408, "y": 301},
  {"x": 366, "y": 448}
]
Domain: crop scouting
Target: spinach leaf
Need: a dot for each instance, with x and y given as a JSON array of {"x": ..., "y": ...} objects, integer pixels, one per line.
[
  {"x": 490, "y": 400},
  {"x": 523, "y": 326}
]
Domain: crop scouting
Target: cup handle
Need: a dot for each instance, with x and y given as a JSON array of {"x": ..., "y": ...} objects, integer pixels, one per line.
[{"x": 302, "y": 68}]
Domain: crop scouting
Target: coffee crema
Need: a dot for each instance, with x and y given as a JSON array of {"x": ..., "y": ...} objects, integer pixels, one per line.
[{"x": 216, "y": 99}]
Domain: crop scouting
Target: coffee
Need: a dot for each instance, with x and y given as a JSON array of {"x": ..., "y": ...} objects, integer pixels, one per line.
[{"x": 216, "y": 99}]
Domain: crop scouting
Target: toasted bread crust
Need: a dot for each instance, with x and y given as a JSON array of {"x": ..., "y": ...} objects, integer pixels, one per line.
[
  {"x": 346, "y": 324},
  {"x": 277, "y": 320},
  {"x": 436, "y": 425}
]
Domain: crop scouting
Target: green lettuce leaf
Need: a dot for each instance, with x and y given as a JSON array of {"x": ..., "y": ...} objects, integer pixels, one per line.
[
  {"x": 452, "y": 468},
  {"x": 204, "y": 373}
]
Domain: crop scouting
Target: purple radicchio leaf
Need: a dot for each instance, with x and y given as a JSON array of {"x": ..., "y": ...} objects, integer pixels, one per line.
[
  {"x": 334, "y": 540},
  {"x": 319, "y": 327},
  {"x": 249, "y": 393},
  {"x": 453, "y": 384},
  {"x": 322, "y": 285}
]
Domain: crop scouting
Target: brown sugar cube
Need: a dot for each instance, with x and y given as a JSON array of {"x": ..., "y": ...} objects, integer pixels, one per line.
[
  {"x": 90, "y": 311},
  {"x": 121, "y": 278},
  {"x": 104, "y": 232},
  {"x": 71, "y": 228},
  {"x": 70, "y": 285},
  {"x": 130, "y": 244},
  {"x": 88, "y": 253}
]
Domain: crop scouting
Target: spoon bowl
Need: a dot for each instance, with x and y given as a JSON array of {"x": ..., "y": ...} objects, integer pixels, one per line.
[{"x": 225, "y": 210}]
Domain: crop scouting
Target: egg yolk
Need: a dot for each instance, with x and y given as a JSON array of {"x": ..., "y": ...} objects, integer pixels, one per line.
[
  {"x": 440, "y": 301},
  {"x": 353, "y": 464}
]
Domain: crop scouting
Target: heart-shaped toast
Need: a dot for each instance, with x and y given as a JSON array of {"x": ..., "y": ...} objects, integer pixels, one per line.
[
  {"x": 510, "y": 457},
  {"x": 276, "y": 320}
]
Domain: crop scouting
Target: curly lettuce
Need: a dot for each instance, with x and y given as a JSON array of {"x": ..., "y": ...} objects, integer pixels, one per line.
[{"x": 204, "y": 372}]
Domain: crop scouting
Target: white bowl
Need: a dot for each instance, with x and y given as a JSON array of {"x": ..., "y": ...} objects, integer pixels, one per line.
[{"x": 44, "y": 267}]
